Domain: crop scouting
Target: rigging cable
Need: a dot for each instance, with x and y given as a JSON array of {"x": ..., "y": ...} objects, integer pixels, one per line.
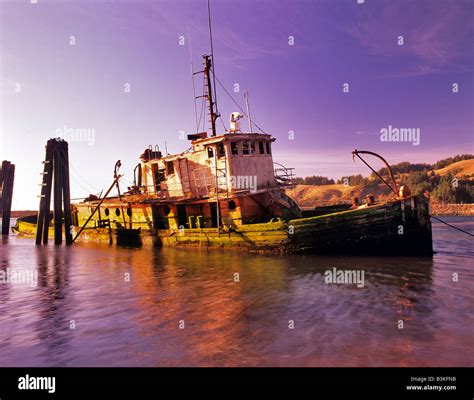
[
  {"x": 88, "y": 190},
  {"x": 99, "y": 194}
]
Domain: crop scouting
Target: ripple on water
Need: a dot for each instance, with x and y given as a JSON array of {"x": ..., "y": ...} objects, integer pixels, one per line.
[{"x": 129, "y": 306}]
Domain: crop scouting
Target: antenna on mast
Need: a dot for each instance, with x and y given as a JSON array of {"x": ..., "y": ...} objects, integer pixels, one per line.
[
  {"x": 212, "y": 49},
  {"x": 192, "y": 77},
  {"x": 210, "y": 92},
  {"x": 246, "y": 96}
]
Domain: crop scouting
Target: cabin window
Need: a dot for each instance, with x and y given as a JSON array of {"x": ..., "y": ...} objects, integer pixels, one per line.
[
  {"x": 232, "y": 205},
  {"x": 268, "y": 147},
  {"x": 117, "y": 212},
  {"x": 221, "y": 150},
  {"x": 234, "y": 148},
  {"x": 210, "y": 152},
  {"x": 107, "y": 212},
  {"x": 169, "y": 168},
  {"x": 129, "y": 211},
  {"x": 245, "y": 147},
  {"x": 253, "y": 149},
  {"x": 261, "y": 148}
]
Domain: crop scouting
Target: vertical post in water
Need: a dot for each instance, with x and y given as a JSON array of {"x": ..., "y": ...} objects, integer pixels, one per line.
[
  {"x": 42, "y": 223},
  {"x": 48, "y": 182},
  {"x": 66, "y": 191},
  {"x": 58, "y": 236},
  {"x": 8, "y": 177},
  {"x": 56, "y": 165}
]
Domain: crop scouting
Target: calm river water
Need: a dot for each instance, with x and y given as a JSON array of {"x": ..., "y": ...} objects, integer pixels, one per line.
[{"x": 94, "y": 305}]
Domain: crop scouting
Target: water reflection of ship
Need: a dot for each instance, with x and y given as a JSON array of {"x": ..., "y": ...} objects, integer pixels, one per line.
[
  {"x": 221, "y": 315},
  {"x": 210, "y": 303},
  {"x": 236, "y": 323}
]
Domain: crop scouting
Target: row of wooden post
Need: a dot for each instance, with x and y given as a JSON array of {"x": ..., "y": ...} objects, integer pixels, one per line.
[
  {"x": 55, "y": 172},
  {"x": 7, "y": 178}
]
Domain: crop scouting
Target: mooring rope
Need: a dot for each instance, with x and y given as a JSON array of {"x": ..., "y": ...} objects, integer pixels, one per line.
[{"x": 448, "y": 224}]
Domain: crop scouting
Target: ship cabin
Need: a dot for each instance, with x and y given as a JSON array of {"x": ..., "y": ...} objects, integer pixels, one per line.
[{"x": 221, "y": 181}]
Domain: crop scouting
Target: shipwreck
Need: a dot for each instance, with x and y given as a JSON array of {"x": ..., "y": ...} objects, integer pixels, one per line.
[{"x": 226, "y": 191}]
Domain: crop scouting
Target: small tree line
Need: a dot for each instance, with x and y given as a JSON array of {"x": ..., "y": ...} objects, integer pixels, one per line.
[
  {"x": 406, "y": 167},
  {"x": 313, "y": 180}
]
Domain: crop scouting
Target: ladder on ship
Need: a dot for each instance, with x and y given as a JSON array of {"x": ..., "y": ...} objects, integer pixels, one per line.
[{"x": 223, "y": 172}]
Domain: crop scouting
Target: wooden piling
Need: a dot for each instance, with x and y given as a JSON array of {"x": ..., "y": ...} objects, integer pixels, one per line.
[
  {"x": 47, "y": 193},
  {"x": 58, "y": 194},
  {"x": 66, "y": 192},
  {"x": 7, "y": 179},
  {"x": 43, "y": 220},
  {"x": 55, "y": 178}
]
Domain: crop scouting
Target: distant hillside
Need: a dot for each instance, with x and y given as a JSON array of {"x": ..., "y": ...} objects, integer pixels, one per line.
[
  {"x": 309, "y": 196},
  {"x": 458, "y": 169},
  {"x": 451, "y": 184}
]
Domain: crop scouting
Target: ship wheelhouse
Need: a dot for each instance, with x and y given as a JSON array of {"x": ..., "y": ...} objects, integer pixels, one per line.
[{"x": 224, "y": 180}]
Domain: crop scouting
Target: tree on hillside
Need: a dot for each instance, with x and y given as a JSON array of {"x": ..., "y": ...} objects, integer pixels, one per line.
[
  {"x": 444, "y": 191},
  {"x": 464, "y": 193},
  {"x": 313, "y": 180},
  {"x": 406, "y": 167},
  {"x": 318, "y": 180},
  {"x": 418, "y": 181},
  {"x": 353, "y": 180},
  {"x": 450, "y": 160},
  {"x": 297, "y": 180},
  {"x": 403, "y": 168}
]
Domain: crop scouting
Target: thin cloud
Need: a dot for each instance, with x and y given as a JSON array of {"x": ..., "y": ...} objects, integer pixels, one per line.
[{"x": 436, "y": 34}]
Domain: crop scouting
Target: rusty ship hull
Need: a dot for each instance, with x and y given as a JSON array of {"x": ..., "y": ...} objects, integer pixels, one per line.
[{"x": 398, "y": 227}]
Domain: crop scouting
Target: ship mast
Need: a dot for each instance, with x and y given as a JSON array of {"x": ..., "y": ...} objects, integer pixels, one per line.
[{"x": 209, "y": 95}]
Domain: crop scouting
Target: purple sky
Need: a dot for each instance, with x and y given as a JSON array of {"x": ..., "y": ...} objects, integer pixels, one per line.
[{"x": 47, "y": 84}]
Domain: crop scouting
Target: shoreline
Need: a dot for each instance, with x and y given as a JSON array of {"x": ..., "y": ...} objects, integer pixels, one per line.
[{"x": 460, "y": 210}]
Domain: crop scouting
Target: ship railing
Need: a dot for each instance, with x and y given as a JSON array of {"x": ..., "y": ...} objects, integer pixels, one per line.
[{"x": 284, "y": 175}]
